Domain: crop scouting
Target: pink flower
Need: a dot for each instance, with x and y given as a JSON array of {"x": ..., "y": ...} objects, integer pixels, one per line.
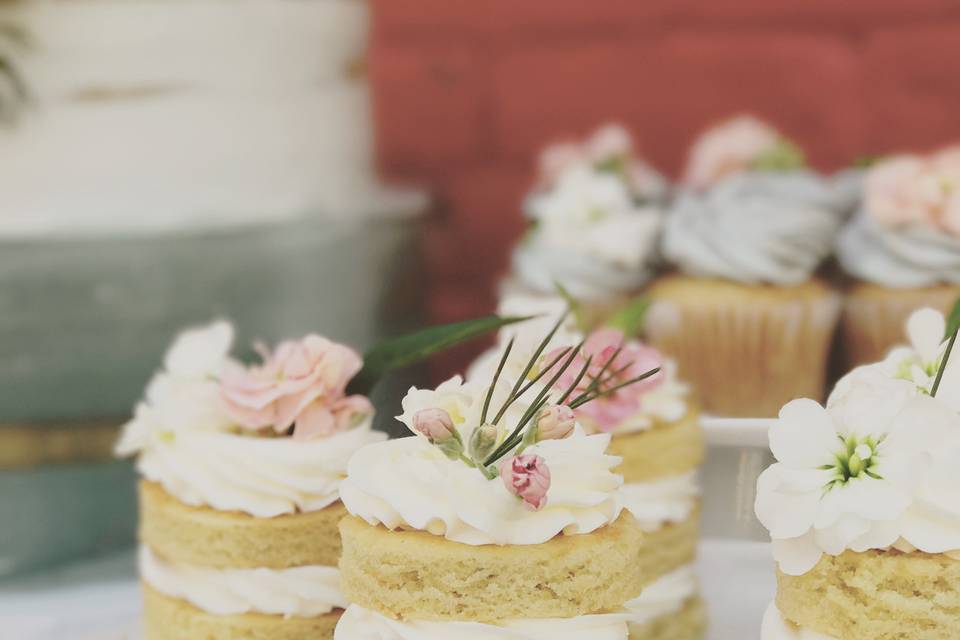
[
  {"x": 909, "y": 190},
  {"x": 609, "y": 143},
  {"x": 301, "y": 384},
  {"x": 728, "y": 148},
  {"x": 527, "y": 477},
  {"x": 555, "y": 422},
  {"x": 633, "y": 360},
  {"x": 435, "y": 424}
]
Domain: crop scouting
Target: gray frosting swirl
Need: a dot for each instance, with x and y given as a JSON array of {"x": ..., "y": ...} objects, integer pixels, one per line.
[
  {"x": 584, "y": 277},
  {"x": 900, "y": 257},
  {"x": 759, "y": 227}
]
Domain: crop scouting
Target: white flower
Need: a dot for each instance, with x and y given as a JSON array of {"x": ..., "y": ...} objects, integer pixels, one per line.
[
  {"x": 846, "y": 475},
  {"x": 453, "y": 396},
  {"x": 581, "y": 197},
  {"x": 185, "y": 395},
  {"x": 591, "y": 213},
  {"x": 921, "y": 361}
]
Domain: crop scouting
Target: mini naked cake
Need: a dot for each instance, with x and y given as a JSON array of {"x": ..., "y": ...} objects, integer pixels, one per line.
[
  {"x": 239, "y": 498},
  {"x": 501, "y": 518},
  {"x": 657, "y": 434},
  {"x": 862, "y": 503}
]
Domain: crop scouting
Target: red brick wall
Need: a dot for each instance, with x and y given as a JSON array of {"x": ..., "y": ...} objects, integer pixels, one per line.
[{"x": 467, "y": 91}]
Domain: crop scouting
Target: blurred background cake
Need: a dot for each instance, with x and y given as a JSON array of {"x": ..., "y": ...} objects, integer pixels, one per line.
[
  {"x": 901, "y": 250},
  {"x": 164, "y": 163},
  {"x": 747, "y": 236}
]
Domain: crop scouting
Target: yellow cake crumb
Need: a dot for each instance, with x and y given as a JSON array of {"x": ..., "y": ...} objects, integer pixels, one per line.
[
  {"x": 414, "y": 575},
  {"x": 232, "y": 540},
  {"x": 662, "y": 451},
  {"x": 166, "y": 618},
  {"x": 880, "y": 595}
]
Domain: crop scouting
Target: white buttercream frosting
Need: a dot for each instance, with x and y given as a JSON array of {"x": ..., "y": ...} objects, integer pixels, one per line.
[
  {"x": 301, "y": 592},
  {"x": 757, "y": 227},
  {"x": 900, "y": 257},
  {"x": 187, "y": 443},
  {"x": 662, "y": 501},
  {"x": 358, "y": 623},
  {"x": 264, "y": 477},
  {"x": 774, "y": 627},
  {"x": 410, "y": 484},
  {"x": 664, "y": 596},
  {"x": 589, "y": 236}
]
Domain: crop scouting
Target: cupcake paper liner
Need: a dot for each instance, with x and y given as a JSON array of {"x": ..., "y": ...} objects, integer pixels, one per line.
[{"x": 748, "y": 350}]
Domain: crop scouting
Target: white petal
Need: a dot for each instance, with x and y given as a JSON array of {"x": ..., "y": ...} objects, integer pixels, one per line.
[
  {"x": 784, "y": 514},
  {"x": 200, "y": 351},
  {"x": 880, "y": 535},
  {"x": 925, "y": 328},
  {"x": 836, "y": 538},
  {"x": 804, "y": 436},
  {"x": 796, "y": 556}
]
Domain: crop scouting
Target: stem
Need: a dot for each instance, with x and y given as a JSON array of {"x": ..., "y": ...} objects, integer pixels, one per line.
[
  {"x": 597, "y": 385},
  {"x": 493, "y": 384},
  {"x": 533, "y": 360},
  {"x": 596, "y": 381},
  {"x": 535, "y": 405},
  {"x": 943, "y": 365},
  {"x": 581, "y": 401},
  {"x": 576, "y": 381},
  {"x": 546, "y": 370}
]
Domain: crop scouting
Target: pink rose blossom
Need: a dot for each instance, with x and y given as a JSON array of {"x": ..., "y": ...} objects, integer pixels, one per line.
[
  {"x": 435, "y": 424},
  {"x": 916, "y": 190},
  {"x": 728, "y": 148},
  {"x": 527, "y": 477},
  {"x": 301, "y": 384},
  {"x": 634, "y": 359},
  {"x": 555, "y": 422}
]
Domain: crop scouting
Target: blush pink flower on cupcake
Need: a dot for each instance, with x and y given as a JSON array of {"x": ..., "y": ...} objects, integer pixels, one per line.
[
  {"x": 528, "y": 478},
  {"x": 300, "y": 384},
  {"x": 728, "y": 148},
  {"x": 633, "y": 359},
  {"x": 917, "y": 190}
]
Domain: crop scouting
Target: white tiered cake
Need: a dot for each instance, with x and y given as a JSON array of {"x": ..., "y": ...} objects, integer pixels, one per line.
[{"x": 173, "y": 161}]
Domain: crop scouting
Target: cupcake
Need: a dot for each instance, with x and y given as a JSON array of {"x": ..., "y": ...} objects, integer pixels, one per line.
[
  {"x": 746, "y": 236},
  {"x": 862, "y": 505},
  {"x": 595, "y": 218},
  {"x": 239, "y": 496},
  {"x": 903, "y": 249},
  {"x": 502, "y": 517},
  {"x": 656, "y": 432}
]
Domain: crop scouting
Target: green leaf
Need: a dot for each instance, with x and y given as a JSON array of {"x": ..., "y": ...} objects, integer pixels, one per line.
[
  {"x": 784, "y": 156},
  {"x": 630, "y": 318},
  {"x": 953, "y": 320},
  {"x": 409, "y": 349}
]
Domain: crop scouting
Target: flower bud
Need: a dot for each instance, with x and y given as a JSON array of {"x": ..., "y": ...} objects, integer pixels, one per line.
[
  {"x": 482, "y": 441},
  {"x": 435, "y": 424},
  {"x": 555, "y": 422},
  {"x": 528, "y": 478}
]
